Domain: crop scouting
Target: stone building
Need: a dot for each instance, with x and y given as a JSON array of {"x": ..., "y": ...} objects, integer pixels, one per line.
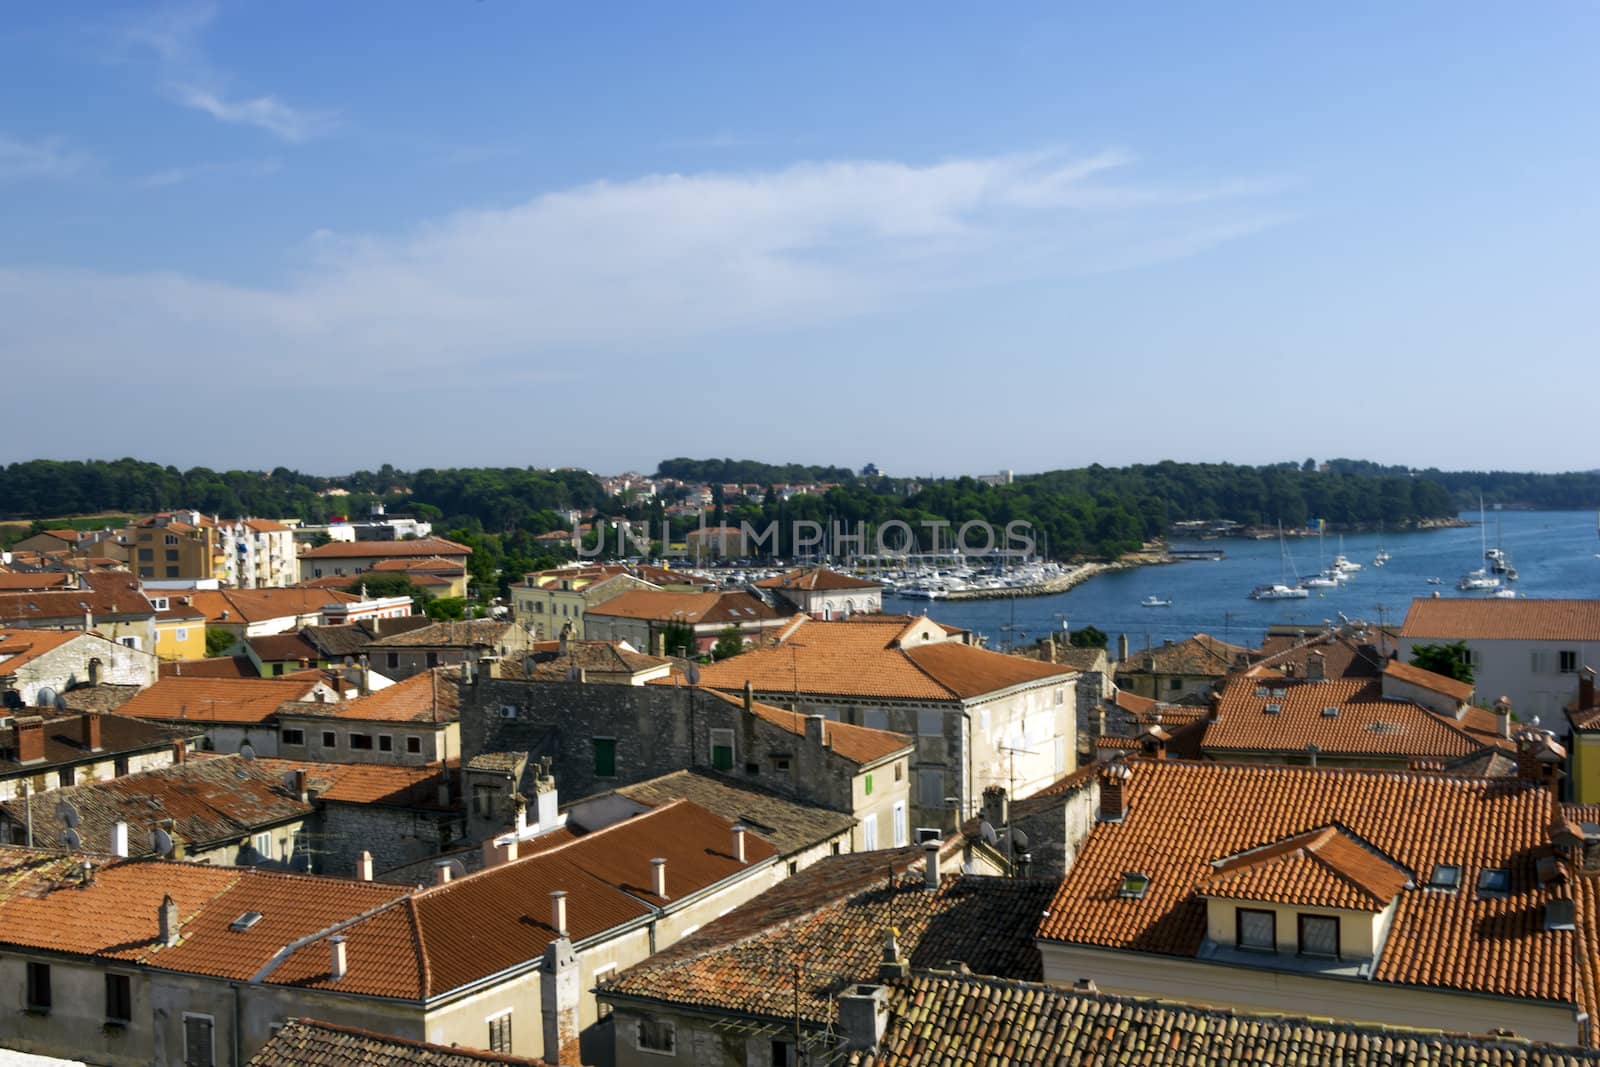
[
  {"x": 1177, "y": 671},
  {"x": 38, "y": 665},
  {"x": 445, "y": 644},
  {"x": 411, "y": 723},
  {"x": 823, "y": 593}
]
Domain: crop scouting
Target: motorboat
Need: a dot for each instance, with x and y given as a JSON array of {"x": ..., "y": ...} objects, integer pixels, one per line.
[
  {"x": 1153, "y": 601},
  {"x": 1435, "y": 581},
  {"x": 1279, "y": 592},
  {"x": 1503, "y": 594},
  {"x": 1482, "y": 578}
]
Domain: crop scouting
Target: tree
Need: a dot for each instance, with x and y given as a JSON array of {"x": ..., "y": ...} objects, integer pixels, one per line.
[
  {"x": 219, "y": 641},
  {"x": 391, "y": 583},
  {"x": 1088, "y": 637},
  {"x": 729, "y": 643},
  {"x": 1452, "y": 660},
  {"x": 446, "y": 608},
  {"x": 677, "y": 639}
]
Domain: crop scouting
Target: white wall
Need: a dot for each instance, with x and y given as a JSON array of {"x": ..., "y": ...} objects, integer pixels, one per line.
[{"x": 1506, "y": 668}]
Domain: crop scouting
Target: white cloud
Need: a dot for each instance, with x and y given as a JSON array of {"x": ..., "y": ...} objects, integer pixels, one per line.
[
  {"x": 47, "y": 158},
  {"x": 628, "y": 268},
  {"x": 266, "y": 112}
]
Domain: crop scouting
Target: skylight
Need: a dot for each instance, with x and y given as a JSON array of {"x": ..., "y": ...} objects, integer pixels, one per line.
[
  {"x": 1494, "y": 881},
  {"x": 1446, "y": 876},
  {"x": 1273, "y": 709},
  {"x": 245, "y": 921},
  {"x": 1328, "y": 713},
  {"x": 1133, "y": 885}
]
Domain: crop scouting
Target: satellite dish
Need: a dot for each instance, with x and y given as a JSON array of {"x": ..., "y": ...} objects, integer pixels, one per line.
[
  {"x": 46, "y": 697},
  {"x": 694, "y": 674},
  {"x": 161, "y": 842},
  {"x": 247, "y": 751},
  {"x": 67, "y": 814},
  {"x": 349, "y": 661},
  {"x": 71, "y": 840},
  {"x": 457, "y": 869},
  {"x": 989, "y": 836},
  {"x": 1019, "y": 840}
]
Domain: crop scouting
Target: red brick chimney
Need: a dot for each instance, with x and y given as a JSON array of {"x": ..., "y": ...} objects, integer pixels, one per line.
[
  {"x": 28, "y": 739},
  {"x": 1113, "y": 781},
  {"x": 90, "y": 734}
]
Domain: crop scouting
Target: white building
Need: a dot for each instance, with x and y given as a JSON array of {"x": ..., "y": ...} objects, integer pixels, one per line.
[
  {"x": 1528, "y": 650},
  {"x": 259, "y": 553}
]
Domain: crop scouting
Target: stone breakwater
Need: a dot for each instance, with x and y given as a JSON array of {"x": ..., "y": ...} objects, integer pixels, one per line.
[{"x": 1059, "y": 584}]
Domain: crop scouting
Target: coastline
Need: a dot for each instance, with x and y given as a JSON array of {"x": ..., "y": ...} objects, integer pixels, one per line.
[{"x": 1059, "y": 584}]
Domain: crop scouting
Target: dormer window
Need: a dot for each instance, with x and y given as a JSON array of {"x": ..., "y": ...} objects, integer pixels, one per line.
[
  {"x": 1319, "y": 936},
  {"x": 159, "y": 603},
  {"x": 1261, "y": 691},
  {"x": 1494, "y": 882},
  {"x": 1273, "y": 709},
  {"x": 1328, "y": 713},
  {"x": 1445, "y": 877},
  {"x": 1257, "y": 930},
  {"x": 1133, "y": 885}
]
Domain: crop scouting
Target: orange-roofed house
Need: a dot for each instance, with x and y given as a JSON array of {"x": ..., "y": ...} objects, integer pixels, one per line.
[
  {"x": 691, "y": 622},
  {"x": 338, "y": 558},
  {"x": 36, "y": 666},
  {"x": 1388, "y": 897},
  {"x": 410, "y": 723},
  {"x": 1530, "y": 651},
  {"x": 232, "y": 711},
  {"x": 979, "y": 718},
  {"x": 823, "y": 593}
]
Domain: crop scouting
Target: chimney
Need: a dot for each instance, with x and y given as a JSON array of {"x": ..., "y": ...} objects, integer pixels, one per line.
[
  {"x": 1214, "y": 708},
  {"x": 658, "y": 877},
  {"x": 88, "y": 619},
  {"x": 1316, "y": 667},
  {"x": 560, "y": 994},
  {"x": 894, "y": 965},
  {"x": 119, "y": 839},
  {"x": 94, "y": 670},
  {"x": 441, "y": 871},
  {"x": 364, "y": 683},
  {"x": 1312, "y": 752},
  {"x": 336, "y": 962},
  {"x": 521, "y": 803},
  {"x": 301, "y": 790},
  {"x": 364, "y": 866},
  {"x": 750, "y": 693},
  {"x": 1153, "y": 742},
  {"x": 558, "y": 912},
  {"x": 863, "y": 1015},
  {"x": 168, "y": 919},
  {"x": 28, "y": 738},
  {"x": 90, "y": 734},
  {"x": 738, "y": 841},
  {"x": 1586, "y": 689},
  {"x": 180, "y": 750},
  {"x": 816, "y": 725},
  {"x": 996, "y": 807},
  {"x": 1502, "y": 716},
  {"x": 1122, "y": 648},
  {"x": 496, "y": 852},
  {"x": 545, "y": 804},
  {"x": 930, "y": 865},
  {"x": 1113, "y": 781}
]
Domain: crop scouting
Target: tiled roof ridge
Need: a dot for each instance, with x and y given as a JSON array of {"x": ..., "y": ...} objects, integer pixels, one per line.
[
  {"x": 422, "y": 1046},
  {"x": 424, "y": 964},
  {"x": 904, "y": 654},
  {"x": 1510, "y": 1042},
  {"x": 1221, "y": 766},
  {"x": 284, "y": 952}
]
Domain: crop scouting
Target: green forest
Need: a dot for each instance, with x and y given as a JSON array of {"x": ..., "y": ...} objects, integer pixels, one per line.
[{"x": 1089, "y": 511}]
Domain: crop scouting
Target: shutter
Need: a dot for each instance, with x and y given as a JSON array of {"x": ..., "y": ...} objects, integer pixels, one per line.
[{"x": 197, "y": 1050}]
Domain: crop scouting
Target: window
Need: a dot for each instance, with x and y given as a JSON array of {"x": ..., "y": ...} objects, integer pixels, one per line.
[
  {"x": 1133, "y": 885},
  {"x": 1445, "y": 876},
  {"x": 385, "y": 743},
  {"x": 657, "y": 1035},
  {"x": 413, "y": 745},
  {"x": 899, "y": 770},
  {"x": 900, "y": 825},
  {"x": 277, "y": 669},
  {"x": 172, "y": 555},
  {"x": 1061, "y": 755},
  {"x": 292, "y": 736},
  {"x": 1568, "y": 662},
  {"x": 119, "y": 998},
  {"x": 1273, "y": 709},
  {"x": 869, "y": 832},
  {"x": 160, "y": 603},
  {"x": 782, "y": 1054},
  {"x": 781, "y": 764},
  {"x": 66, "y": 776},
  {"x": 181, "y": 633},
  {"x": 262, "y": 844},
  {"x": 338, "y": 571},
  {"x": 128, "y": 642},
  {"x": 722, "y": 749},
  {"x": 147, "y": 555},
  {"x": 866, "y": 786},
  {"x": 1061, "y": 697},
  {"x": 500, "y": 1033},
  {"x": 1319, "y": 936},
  {"x": 1257, "y": 930},
  {"x": 170, "y": 539},
  {"x": 605, "y": 757},
  {"x": 1175, "y": 684},
  {"x": 38, "y": 987},
  {"x": 394, "y": 659},
  {"x": 483, "y": 800},
  {"x": 198, "y": 1050},
  {"x": 1494, "y": 881},
  {"x": 930, "y": 722},
  {"x": 930, "y": 787},
  {"x": 329, "y": 739},
  {"x": 433, "y": 660},
  {"x": 508, "y": 711},
  {"x": 538, "y": 608},
  {"x": 120, "y": 766},
  {"x": 172, "y": 572}
]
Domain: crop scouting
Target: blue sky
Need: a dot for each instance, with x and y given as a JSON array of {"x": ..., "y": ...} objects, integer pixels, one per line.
[{"x": 332, "y": 236}]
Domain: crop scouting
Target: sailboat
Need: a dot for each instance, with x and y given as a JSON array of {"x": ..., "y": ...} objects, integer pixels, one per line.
[
  {"x": 1498, "y": 558},
  {"x": 1342, "y": 563},
  {"x": 1480, "y": 578},
  {"x": 1326, "y": 577},
  {"x": 1282, "y": 590},
  {"x": 1383, "y": 553}
]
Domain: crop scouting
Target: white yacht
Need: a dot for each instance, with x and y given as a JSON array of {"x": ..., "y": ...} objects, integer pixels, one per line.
[
  {"x": 1279, "y": 592},
  {"x": 1153, "y": 601},
  {"x": 1482, "y": 578}
]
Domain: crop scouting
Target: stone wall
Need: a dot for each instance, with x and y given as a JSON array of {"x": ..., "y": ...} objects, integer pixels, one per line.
[{"x": 394, "y": 836}]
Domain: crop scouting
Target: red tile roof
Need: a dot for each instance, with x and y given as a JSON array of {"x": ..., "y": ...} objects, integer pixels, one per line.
[
  {"x": 432, "y": 696},
  {"x": 215, "y": 667},
  {"x": 21, "y": 647},
  {"x": 688, "y": 608},
  {"x": 1181, "y": 817},
  {"x": 1438, "y": 683},
  {"x": 303, "y": 1042},
  {"x": 864, "y": 657},
  {"x": 231, "y": 700},
  {"x": 260, "y": 605},
  {"x": 859, "y": 744},
  {"x": 424, "y": 548},
  {"x": 1460, "y": 619},
  {"x": 1324, "y": 868},
  {"x": 815, "y": 579}
]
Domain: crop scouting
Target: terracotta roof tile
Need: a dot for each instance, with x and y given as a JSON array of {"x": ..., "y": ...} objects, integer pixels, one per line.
[
  {"x": 939, "y": 1019},
  {"x": 1201, "y": 655},
  {"x": 1425, "y": 679},
  {"x": 20, "y": 647},
  {"x": 813, "y": 579},
  {"x": 308, "y": 1043},
  {"x": 858, "y": 744},
  {"x": 1366, "y": 723},
  {"x": 1327, "y": 868},
  {"x": 470, "y": 633},
  {"x": 789, "y": 824},
  {"x": 215, "y": 667},
  {"x": 1461, "y": 619},
  {"x": 260, "y": 605},
  {"x": 283, "y": 648},
  {"x": 1180, "y": 817},
  {"x": 689, "y": 608},
  {"x": 423, "y": 548},
  {"x": 234, "y": 700},
  {"x": 432, "y": 696}
]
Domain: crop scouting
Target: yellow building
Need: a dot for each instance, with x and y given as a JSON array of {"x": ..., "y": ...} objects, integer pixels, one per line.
[
  {"x": 1584, "y": 714},
  {"x": 180, "y": 627}
]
